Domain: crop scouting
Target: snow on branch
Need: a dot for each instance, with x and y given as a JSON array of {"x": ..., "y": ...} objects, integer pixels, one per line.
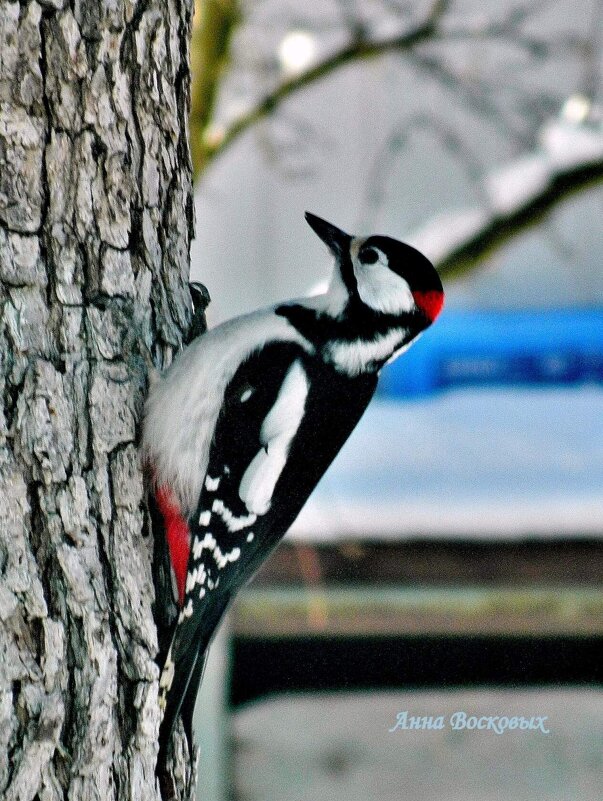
[{"x": 569, "y": 157}]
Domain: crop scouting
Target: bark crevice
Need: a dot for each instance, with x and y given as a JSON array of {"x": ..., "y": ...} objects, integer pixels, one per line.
[{"x": 95, "y": 198}]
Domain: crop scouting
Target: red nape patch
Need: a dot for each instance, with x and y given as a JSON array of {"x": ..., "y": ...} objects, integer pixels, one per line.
[
  {"x": 430, "y": 303},
  {"x": 177, "y": 534}
]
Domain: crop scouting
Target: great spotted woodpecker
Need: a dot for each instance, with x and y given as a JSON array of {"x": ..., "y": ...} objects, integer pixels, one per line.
[{"x": 241, "y": 427}]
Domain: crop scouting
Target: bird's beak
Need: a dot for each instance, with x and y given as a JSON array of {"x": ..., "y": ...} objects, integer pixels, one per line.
[{"x": 334, "y": 238}]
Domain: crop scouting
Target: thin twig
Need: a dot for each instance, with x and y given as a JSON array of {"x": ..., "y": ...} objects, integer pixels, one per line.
[{"x": 355, "y": 51}]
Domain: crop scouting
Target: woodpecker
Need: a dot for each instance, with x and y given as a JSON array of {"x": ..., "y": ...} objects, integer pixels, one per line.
[{"x": 243, "y": 424}]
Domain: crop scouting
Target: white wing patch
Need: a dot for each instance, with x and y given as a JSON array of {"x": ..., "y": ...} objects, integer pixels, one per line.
[
  {"x": 277, "y": 433},
  {"x": 354, "y": 357}
]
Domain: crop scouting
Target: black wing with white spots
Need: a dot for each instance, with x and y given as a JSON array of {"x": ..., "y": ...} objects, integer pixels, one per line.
[
  {"x": 260, "y": 473},
  {"x": 224, "y": 537}
]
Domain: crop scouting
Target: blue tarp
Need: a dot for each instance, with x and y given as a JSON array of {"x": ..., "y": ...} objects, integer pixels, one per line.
[{"x": 481, "y": 348}]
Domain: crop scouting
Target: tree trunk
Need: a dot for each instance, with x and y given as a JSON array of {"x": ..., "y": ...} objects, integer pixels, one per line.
[{"x": 96, "y": 218}]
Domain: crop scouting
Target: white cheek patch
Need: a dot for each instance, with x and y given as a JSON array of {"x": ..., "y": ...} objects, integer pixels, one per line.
[
  {"x": 380, "y": 288},
  {"x": 276, "y": 435}
]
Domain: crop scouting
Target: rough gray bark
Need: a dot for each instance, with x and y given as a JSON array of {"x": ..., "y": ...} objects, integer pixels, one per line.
[{"x": 95, "y": 224}]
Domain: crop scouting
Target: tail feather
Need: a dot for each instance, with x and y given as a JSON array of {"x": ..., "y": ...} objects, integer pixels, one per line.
[
  {"x": 179, "y": 684},
  {"x": 188, "y": 703},
  {"x": 182, "y": 674}
]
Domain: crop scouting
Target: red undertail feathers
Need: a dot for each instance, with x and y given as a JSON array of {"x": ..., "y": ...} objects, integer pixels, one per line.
[{"x": 177, "y": 534}]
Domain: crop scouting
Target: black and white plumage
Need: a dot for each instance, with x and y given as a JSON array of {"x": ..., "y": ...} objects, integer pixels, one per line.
[{"x": 239, "y": 430}]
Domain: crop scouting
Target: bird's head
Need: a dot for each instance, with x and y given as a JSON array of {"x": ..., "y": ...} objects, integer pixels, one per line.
[{"x": 382, "y": 274}]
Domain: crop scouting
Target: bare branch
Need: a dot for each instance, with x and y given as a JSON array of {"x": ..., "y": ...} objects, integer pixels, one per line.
[
  {"x": 500, "y": 230},
  {"x": 358, "y": 49},
  {"x": 520, "y": 195}
]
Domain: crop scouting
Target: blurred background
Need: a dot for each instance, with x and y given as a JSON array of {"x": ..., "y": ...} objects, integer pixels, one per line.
[{"x": 452, "y": 557}]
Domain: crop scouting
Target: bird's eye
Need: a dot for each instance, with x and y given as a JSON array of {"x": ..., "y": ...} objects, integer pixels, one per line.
[{"x": 369, "y": 256}]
